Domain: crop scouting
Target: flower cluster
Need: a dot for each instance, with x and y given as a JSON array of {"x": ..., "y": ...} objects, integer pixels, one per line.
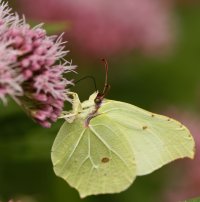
[
  {"x": 32, "y": 68},
  {"x": 101, "y": 27}
]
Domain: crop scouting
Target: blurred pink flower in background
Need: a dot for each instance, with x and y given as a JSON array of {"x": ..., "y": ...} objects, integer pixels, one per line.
[
  {"x": 32, "y": 68},
  {"x": 102, "y": 28},
  {"x": 185, "y": 181}
]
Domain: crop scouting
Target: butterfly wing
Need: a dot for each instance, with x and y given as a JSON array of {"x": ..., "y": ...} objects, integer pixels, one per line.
[
  {"x": 156, "y": 140},
  {"x": 96, "y": 159}
]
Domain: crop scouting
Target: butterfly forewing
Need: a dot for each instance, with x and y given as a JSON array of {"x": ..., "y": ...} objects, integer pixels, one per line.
[{"x": 156, "y": 140}]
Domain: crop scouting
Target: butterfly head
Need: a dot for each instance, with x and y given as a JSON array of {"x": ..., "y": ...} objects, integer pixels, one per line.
[{"x": 100, "y": 96}]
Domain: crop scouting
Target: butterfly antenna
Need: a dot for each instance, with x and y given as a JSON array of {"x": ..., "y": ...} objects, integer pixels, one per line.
[
  {"x": 106, "y": 85},
  {"x": 86, "y": 77},
  {"x": 100, "y": 96}
]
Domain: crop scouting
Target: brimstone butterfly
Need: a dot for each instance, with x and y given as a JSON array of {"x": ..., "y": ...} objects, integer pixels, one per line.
[{"x": 104, "y": 144}]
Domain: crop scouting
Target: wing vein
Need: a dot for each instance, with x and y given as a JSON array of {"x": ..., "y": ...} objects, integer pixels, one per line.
[
  {"x": 75, "y": 147},
  {"x": 62, "y": 142},
  {"x": 113, "y": 151}
]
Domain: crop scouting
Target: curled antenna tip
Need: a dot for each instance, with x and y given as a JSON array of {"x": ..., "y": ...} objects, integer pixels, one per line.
[{"x": 105, "y": 63}]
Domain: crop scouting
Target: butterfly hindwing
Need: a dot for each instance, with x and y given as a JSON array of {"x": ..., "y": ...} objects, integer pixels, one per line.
[{"x": 95, "y": 159}]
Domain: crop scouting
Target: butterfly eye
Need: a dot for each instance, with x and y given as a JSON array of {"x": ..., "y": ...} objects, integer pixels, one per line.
[{"x": 97, "y": 100}]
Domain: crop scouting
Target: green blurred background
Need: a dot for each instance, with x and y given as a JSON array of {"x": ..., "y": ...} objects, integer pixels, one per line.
[{"x": 152, "y": 82}]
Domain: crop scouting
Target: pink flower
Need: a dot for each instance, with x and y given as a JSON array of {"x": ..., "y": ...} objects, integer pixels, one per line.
[
  {"x": 32, "y": 68},
  {"x": 185, "y": 182},
  {"x": 10, "y": 79},
  {"x": 101, "y": 27}
]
